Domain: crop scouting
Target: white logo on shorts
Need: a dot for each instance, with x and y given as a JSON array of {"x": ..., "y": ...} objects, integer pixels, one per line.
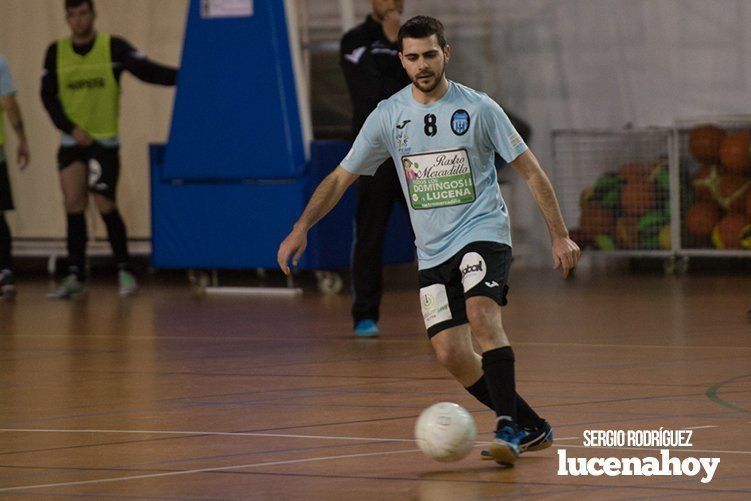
[
  {"x": 473, "y": 270},
  {"x": 95, "y": 172},
  {"x": 434, "y": 303},
  {"x": 492, "y": 284}
]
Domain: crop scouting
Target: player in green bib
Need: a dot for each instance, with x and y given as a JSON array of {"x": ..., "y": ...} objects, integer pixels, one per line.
[
  {"x": 443, "y": 137},
  {"x": 81, "y": 92},
  {"x": 9, "y": 106}
]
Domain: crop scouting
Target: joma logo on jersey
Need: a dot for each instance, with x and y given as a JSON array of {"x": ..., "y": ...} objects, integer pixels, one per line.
[{"x": 89, "y": 83}]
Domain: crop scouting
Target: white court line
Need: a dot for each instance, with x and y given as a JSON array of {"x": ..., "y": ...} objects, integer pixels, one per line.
[
  {"x": 700, "y": 427},
  {"x": 228, "y": 433},
  {"x": 396, "y": 341},
  {"x": 202, "y": 470},
  {"x": 684, "y": 450},
  {"x": 206, "y": 470}
]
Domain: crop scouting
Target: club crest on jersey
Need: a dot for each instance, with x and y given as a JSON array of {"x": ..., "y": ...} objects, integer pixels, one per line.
[{"x": 460, "y": 122}]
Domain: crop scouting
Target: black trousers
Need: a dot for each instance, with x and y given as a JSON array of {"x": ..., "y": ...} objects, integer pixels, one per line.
[{"x": 376, "y": 197}]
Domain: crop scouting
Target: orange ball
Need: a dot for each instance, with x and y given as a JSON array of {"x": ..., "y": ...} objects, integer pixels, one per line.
[
  {"x": 727, "y": 233},
  {"x": 595, "y": 220},
  {"x": 735, "y": 152},
  {"x": 704, "y": 143},
  {"x": 637, "y": 198},
  {"x": 634, "y": 173},
  {"x": 701, "y": 218}
]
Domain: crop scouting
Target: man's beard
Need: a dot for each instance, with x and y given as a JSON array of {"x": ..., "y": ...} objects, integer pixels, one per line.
[{"x": 427, "y": 89}]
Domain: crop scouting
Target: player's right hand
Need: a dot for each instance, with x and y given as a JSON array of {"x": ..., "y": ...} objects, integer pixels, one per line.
[
  {"x": 294, "y": 245},
  {"x": 82, "y": 137},
  {"x": 22, "y": 155}
]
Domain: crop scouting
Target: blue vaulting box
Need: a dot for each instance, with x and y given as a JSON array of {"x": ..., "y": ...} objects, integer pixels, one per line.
[{"x": 236, "y": 172}]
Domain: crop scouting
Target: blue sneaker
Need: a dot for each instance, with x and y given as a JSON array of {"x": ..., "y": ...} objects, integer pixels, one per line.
[
  {"x": 366, "y": 328},
  {"x": 537, "y": 438},
  {"x": 504, "y": 449},
  {"x": 532, "y": 439}
]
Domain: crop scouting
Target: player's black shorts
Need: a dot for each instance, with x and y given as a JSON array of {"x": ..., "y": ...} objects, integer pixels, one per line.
[
  {"x": 6, "y": 197},
  {"x": 103, "y": 163},
  {"x": 479, "y": 269}
]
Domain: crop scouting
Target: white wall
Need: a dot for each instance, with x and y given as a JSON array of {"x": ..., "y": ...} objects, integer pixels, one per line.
[
  {"x": 27, "y": 27},
  {"x": 590, "y": 63},
  {"x": 557, "y": 63}
]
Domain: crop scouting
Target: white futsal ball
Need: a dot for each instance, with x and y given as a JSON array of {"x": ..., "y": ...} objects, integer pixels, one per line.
[{"x": 445, "y": 432}]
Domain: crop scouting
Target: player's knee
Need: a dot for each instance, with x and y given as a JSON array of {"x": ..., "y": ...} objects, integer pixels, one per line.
[
  {"x": 450, "y": 356},
  {"x": 104, "y": 205},
  {"x": 481, "y": 318},
  {"x": 75, "y": 205},
  {"x": 486, "y": 325}
]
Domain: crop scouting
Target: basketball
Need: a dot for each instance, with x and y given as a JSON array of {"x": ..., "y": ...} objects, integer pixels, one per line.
[
  {"x": 735, "y": 152},
  {"x": 731, "y": 191},
  {"x": 705, "y": 182},
  {"x": 637, "y": 198},
  {"x": 701, "y": 218},
  {"x": 595, "y": 220},
  {"x": 727, "y": 233},
  {"x": 633, "y": 173},
  {"x": 704, "y": 143},
  {"x": 445, "y": 432}
]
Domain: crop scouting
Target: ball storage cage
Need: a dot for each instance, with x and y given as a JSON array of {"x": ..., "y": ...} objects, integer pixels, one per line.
[
  {"x": 713, "y": 172},
  {"x": 658, "y": 192}
]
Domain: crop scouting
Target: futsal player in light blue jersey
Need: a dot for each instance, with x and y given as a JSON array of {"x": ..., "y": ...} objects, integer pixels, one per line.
[{"x": 442, "y": 137}]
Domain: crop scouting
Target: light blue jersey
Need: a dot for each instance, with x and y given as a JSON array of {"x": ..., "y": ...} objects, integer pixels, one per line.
[{"x": 443, "y": 154}]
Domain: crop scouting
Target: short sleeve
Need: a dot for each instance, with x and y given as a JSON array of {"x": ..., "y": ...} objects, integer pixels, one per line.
[
  {"x": 499, "y": 133},
  {"x": 369, "y": 149},
  {"x": 6, "y": 82}
]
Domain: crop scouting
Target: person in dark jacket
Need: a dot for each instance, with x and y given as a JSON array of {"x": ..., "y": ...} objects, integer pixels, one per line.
[{"x": 370, "y": 61}]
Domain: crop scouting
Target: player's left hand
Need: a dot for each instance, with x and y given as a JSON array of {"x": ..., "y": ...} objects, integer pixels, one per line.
[
  {"x": 565, "y": 255},
  {"x": 292, "y": 246},
  {"x": 23, "y": 156}
]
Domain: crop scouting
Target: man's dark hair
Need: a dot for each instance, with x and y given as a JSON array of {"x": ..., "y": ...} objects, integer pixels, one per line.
[
  {"x": 422, "y": 27},
  {"x": 69, "y": 4}
]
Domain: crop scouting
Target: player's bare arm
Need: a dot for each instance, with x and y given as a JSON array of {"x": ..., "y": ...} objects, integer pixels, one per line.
[
  {"x": 16, "y": 120},
  {"x": 565, "y": 251},
  {"x": 325, "y": 198}
]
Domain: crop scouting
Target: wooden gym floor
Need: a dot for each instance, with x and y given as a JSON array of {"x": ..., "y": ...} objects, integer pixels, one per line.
[{"x": 165, "y": 396}]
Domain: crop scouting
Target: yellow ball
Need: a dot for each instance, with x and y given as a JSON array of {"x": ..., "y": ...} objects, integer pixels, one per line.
[
  {"x": 664, "y": 238},
  {"x": 746, "y": 237}
]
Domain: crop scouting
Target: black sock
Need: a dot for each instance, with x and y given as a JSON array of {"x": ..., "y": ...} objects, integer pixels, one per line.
[
  {"x": 479, "y": 390},
  {"x": 118, "y": 238},
  {"x": 498, "y": 367},
  {"x": 77, "y": 238},
  {"x": 5, "y": 242},
  {"x": 525, "y": 415}
]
